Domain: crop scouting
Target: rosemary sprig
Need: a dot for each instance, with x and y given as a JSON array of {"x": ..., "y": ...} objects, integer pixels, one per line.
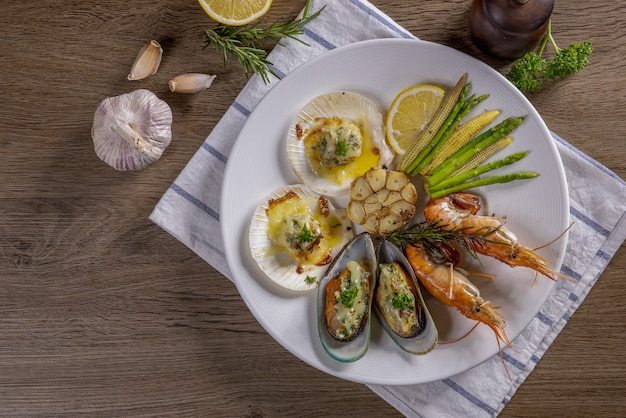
[
  {"x": 437, "y": 239},
  {"x": 244, "y": 42}
]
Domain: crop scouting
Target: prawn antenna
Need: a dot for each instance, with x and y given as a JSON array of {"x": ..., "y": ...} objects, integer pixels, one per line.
[
  {"x": 456, "y": 340},
  {"x": 450, "y": 294},
  {"x": 506, "y": 369},
  {"x": 555, "y": 239}
]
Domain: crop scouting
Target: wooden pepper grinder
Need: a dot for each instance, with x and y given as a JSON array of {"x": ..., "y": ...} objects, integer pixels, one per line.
[{"x": 509, "y": 28}]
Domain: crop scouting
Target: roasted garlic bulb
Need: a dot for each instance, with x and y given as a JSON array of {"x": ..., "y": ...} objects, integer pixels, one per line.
[{"x": 382, "y": 201}]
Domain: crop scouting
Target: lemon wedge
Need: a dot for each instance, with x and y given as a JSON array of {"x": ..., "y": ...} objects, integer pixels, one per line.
[
  {"x": 235, "y": 12},
  {"x": 409, "y": 114}
]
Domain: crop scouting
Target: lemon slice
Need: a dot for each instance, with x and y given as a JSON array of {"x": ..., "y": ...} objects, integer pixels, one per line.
[
  {"x": 235, "y": 12},
  {"x": 409, "y": 114}
]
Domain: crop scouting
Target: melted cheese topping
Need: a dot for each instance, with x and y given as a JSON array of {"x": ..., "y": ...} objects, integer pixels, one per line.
[
  {"x": 304, "y": 233},
  {"x": 339, "y": 149},
  {"x": 394, "y": 296}
]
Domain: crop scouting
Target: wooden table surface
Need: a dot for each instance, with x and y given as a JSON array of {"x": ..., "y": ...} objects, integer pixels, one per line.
[{"x": 104, "y": 313}]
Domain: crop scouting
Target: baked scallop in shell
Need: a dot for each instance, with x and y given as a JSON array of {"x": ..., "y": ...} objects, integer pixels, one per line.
[
  {"x": 398, "y": 302},
  {"x": 335, "y": 138},
  {"x": 344, "y": 300},
  {"x": 294, "y": 235}
]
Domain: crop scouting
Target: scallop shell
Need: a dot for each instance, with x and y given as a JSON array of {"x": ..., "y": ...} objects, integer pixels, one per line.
[
  {"x": 427, "y": 338},
  {"x": 360, "y": 249},
  {"x": 347, "y": 106},
  {"x": 279, "y": 266}
]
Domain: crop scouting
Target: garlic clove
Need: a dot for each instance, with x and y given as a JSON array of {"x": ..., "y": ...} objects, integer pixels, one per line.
[
  {"x": 191, "y": 83},
  {"x": 132, "y": 130},
  {"x": 147, "y": 61}
]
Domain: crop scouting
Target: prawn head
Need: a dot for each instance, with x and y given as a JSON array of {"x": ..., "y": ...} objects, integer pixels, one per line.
[
  {"x": 492, "y": 238},
  {"x": 453, "y": 289}
]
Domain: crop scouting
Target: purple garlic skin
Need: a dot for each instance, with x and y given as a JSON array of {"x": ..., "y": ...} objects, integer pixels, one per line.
[{"x": 132, "y": 130}]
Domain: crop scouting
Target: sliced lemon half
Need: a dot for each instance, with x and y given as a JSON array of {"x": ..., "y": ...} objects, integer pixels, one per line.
[
  {"x": 409, "y": 114},
  {"x": 235, "y": 12}
]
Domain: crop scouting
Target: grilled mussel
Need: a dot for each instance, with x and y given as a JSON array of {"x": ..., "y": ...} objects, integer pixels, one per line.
[
  {"x": 345, "y": 300},
  {"x": 398, "y": 302},
  {"x": 396, "y": 298}
]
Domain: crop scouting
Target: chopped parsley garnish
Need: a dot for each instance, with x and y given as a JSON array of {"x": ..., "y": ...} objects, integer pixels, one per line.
[
  {"x": 402, "y": 300},
  {"x": 306, "y": 235},
  {"x": 347, "y": 296},
  {"x": 310, "y": 279},
  {"x": 342, "y": 148}
]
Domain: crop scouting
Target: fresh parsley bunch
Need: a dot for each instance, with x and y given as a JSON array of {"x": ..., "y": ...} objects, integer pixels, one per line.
[{"x": 529, "y": 71}]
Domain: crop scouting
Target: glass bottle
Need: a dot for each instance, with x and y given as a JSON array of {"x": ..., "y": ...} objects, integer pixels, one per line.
[{"x": 509, "y": 28}]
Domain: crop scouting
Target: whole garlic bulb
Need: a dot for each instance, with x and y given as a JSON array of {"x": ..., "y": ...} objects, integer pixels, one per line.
[{"x": 132, "y": 130}]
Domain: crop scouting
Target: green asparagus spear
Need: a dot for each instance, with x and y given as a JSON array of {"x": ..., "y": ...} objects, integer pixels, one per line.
[
  {"x": 482, "y": 141},
  {"x": 505, "y": 178},
  {"x": 463, "y": 177}
]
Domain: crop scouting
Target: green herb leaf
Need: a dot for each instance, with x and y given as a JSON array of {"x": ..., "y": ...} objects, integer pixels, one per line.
[
  {"x": 342, "y": 148},
  {"x": 402, "y": 300},
  {"x": 528, "y": 72},
  {"x": 306, "y": 235},
  {"x": 433, "y": 237},
  {"x": 244, "y": 42},
  {"x": 568, "y": 61},
  {"x": 525, "y": 73},
  {"x": 348, "y": 296}
]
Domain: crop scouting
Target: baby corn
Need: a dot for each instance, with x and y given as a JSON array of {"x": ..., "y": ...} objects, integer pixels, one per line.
[
  {"x": 483, "y": 155},
  {"x": 463, "y": 155},
  {"x": 448, "y": 103},
  {"x": 461, "y": 136},
  {"x": 449, "y": 151},
  {"x": 462, "y": 108}
]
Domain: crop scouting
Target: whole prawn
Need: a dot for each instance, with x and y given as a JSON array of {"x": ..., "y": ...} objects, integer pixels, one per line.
[
  {"x": 452, "y": 288},
  {"x": 458, "y": 211}
]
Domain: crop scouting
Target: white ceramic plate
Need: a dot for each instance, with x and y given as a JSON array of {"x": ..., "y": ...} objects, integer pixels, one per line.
[{"x": 536, "y": 210}]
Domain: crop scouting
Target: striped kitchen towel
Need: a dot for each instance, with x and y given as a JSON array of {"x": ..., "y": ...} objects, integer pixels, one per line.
[{"x": 189, "y": 210}]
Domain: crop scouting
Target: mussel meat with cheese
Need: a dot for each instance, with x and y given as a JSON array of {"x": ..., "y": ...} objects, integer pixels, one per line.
[
  {"x": 335, "y": 138},
  {"x": 345, "y": 300},
  {"x": 345, "y": 304},
  {"x": 397, "y": 300},
  {"x": 294, "y": 235},
  {"x": 399, "y": 304}
]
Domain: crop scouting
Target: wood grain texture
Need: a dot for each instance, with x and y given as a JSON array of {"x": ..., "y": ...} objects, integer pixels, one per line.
[{"x": 103, "y": 313}]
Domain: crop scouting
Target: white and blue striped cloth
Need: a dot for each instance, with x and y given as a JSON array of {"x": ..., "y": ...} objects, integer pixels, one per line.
[{"x": 189, "y": 210}]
